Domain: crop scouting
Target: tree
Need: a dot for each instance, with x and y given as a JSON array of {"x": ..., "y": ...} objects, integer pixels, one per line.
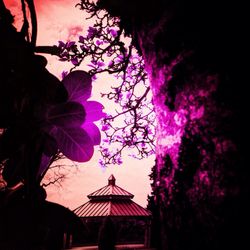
[
  {"x": 107, "y": 49},
  {"x": 40, "y": 118},
  {"x": 53, "y": 116},
  {"x": 191, "y": 52}
]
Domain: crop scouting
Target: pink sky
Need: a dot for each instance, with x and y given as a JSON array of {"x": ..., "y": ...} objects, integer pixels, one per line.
[{"x": 60, "y": 20}]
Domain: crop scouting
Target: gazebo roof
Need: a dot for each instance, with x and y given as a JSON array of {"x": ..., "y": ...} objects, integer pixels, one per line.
[
  {"x": 111, "y": 200},
  {"x": 111, "y": 191}
]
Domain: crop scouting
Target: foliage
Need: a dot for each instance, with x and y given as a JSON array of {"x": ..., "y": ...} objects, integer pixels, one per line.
[
  {"x": 105, "y": 49},
  {"x": 40, "y": 116}
]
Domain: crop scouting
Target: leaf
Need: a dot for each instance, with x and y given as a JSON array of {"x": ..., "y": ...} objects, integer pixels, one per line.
[
  {"x": 44, "y": 164},
  {"x": 93, "y": 132},
  {"x": 75, "y": 144},
  {"x": 78, "y": 85},
  {"x": 69, "y": 114},
  {"x": 93, "y": 111},
  {"x": 74, "y": 61},
  {"x": 50, "y": 145}
]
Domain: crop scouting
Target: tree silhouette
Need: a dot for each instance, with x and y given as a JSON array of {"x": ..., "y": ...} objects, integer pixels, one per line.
[
  {"x": 53, "y": 116},
  {"x": 40, "y": 117},
  {"x": 192, "y": 53}
]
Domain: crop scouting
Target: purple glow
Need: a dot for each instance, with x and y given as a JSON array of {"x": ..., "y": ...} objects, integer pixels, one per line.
[
  {"x": 71, "y": 123},
  {"x": 93, "y": 132},
  {"x": 78, "y": 85},
  {"x": 75, "y": 143},
  {"x": 69, "y": 114},
  {"x": 192, "y": 105},
  {"x": 94, "y": 111}
]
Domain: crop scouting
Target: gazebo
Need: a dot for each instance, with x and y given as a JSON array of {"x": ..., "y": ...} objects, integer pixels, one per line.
[{"x": 131, "y": 221}]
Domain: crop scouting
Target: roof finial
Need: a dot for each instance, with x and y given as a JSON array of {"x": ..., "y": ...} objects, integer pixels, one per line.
[{"x": 111, "y": 180}]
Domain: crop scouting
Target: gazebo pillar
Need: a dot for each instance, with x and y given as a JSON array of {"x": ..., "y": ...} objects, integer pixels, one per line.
[{"x": 147, "y": 233}]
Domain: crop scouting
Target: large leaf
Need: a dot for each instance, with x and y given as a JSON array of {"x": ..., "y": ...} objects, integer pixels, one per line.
[
  {"x": 93, "y": 132},
  {"x": 93, "y": 111},
  {"x": 78, "y": 85},
  {"x": 74, "y": 143},
  {"x": 69, "y": 114},
  {"x": 50, "y": 145},
  {"x": 44, "y": 164}
]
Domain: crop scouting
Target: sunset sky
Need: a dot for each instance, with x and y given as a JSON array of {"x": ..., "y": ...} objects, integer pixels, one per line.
[{"x": 61, "y": 20}]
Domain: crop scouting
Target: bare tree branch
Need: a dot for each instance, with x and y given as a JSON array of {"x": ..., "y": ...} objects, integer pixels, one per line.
[{"x": 106, "y": 48}]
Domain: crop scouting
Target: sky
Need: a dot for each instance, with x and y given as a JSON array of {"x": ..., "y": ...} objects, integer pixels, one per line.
[{"x": 61, "y": 20}]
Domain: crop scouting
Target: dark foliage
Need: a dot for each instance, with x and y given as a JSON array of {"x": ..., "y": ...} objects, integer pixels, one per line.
[
  {"x": 29, "y": 100},
  {"x": 27, "y": 89},
  {"x": 40, "y": 225}
]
